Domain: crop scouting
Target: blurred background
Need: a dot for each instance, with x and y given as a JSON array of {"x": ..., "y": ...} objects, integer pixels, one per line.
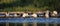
[{"x": 29, "y": 5}]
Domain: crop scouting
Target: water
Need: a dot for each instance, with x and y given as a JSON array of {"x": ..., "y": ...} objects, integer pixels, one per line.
[{"x": 19, "y": 21}]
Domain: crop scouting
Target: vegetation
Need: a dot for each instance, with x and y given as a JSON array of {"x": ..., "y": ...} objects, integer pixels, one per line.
[{"x": 29, "y": 5}]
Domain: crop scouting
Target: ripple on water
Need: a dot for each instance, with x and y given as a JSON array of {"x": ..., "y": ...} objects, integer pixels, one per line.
[{"x": 38, "y": 20}]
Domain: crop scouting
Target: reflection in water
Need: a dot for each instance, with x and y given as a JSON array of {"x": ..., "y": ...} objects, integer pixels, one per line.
[
  {"x": 29, "y": 24},
  {"x": 29, "y": 21}
]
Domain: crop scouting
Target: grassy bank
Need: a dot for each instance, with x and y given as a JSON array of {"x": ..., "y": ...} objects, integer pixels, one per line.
[
  {"x": 29, "y": 5},
  {"x": 23, "y": 9}
]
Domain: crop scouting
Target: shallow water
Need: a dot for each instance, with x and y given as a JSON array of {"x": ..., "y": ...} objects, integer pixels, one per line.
[{"x": 39, "y": 20}]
